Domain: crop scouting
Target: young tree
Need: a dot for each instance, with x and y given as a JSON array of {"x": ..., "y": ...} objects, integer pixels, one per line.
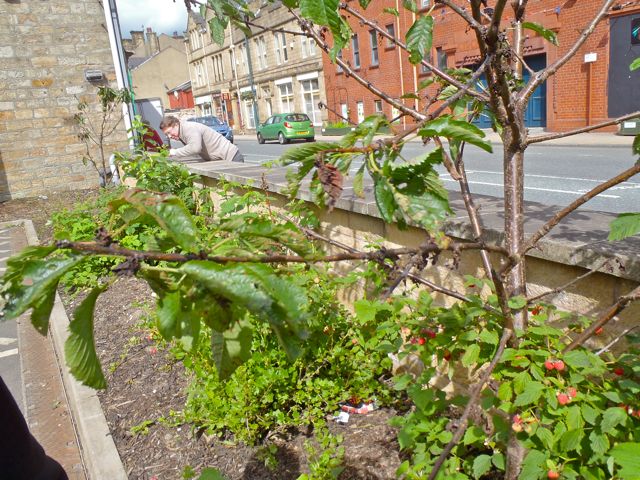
[{"x": 511, "y": 390}]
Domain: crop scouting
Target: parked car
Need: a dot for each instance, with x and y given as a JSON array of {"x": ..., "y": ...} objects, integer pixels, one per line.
[
  {"x": 218, "y": 125},
  {"x": 285, "y": 127}
]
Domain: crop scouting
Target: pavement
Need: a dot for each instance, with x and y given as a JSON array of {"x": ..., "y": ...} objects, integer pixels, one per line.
[
  {"x": 581, "y": 139},
  {"x": 64, "y": 416}
]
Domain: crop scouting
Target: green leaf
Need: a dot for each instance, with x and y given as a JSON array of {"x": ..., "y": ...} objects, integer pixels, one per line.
[
  {"x": 358, "y": 182},
  {"x": 635, "y": 64},
  {"x": 384, "y": 199},
  {"x": 626, "y": 455},
  {"x": 612, "y": 417},
  {"x": 504, "y": 392},
  {"x": 305, "y": 152},
  {"x": 217, "y": 27},
  {"x": 325, "y": 12},
  {"x": 548, "y": 35},
  {"x": 481, "y": 465},
  {"x": 419, "y": 38},
  {"x": 571, "y": 440},
  {"x": 391, "y": 11},
  {"x": 573, "y": 418},
  {"x": 599, "y": 443},
  {"x": 635, "y": 148},
  {"x": 498, "y": 461},
  {"x": 473, "y": 434},
  {"x": 546, "y": 437},
  {"x": 169, "y": 311},
  {"x": 42, "y": 311},
  {"x": 533, "y": 465},
  {"x": 625, "y": 225},
  {"x": 590, "y": 414},
  {"x": 517, "y": 303},
  {"x": 168, "y": 212},
  {"x": 577, "y": 359},
  {"x": 210, "y": 474},
  {"x": 471, "y": 355},
  {"x": 231, "y": 348},
  {"x": 489, "y": 336},
  {"x": 80, "y": 349},
  {"x": 531, "y": 394},
  {"x": 410, "y": 5},
  {"x": 451, "y": 128}
]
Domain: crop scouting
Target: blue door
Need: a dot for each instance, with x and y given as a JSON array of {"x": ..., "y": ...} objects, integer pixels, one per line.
[{"x": 536, "y": 113}]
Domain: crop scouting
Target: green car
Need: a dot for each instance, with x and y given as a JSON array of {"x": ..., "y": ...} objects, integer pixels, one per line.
[{"x": 285, "y": 127}]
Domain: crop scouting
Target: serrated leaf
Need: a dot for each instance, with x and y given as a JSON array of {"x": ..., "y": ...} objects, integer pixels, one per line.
[
  {"x": 358, "y": 182},
  {"x": 419, "y": 38},
  {"x": 451, "y": 128},
  {"x": 517, "y": 303},
  {"x": 168, "y": 212},
  {"x": 231, "y": 348},
  {"x": 577, "y": 359},
  {"x": 548, "y": 35},
  {"x": 546, "y": 437},
  {"x": 384, "y": 199},
  {"x": 473, "y": 434},
  {"x": 305, "y": 153},
  {"x": 599, "y": 443},
  {"x": 42, "y": 311},
  {"x": 391, "y": 11},
  {"x": 481, "y": 465},
  {"x": 626, "y": 455},
  {"x": 410, "y": 5},
  {"x": 80, "y": 349},
  {"x": 573, "y": 418},
  {"x": 612, "y": 417},
  {"x": 216, "y": 27},
  {"x": 625, "y": 225},
  {"x": 590, "y": 414},
  {"x": 211, "y": 474},
  {"x": 169, "y": 311},
  {"x": 533, "y": 465},
  {"x": 531, "y": 394},
  {"x": 471, "y": 355},
  {"x": 505, "y": 392},
  {"x": 635, "y": 64},
  {"x": 325, "y": 12}
]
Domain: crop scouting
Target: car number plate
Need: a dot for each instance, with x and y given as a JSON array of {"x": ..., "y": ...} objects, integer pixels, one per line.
[{"x": 303, "y": 133}]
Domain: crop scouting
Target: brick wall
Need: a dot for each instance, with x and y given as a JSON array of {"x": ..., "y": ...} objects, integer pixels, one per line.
[
  {"x": 566, "y": 92},
  {"x": 45, "y": 47}
]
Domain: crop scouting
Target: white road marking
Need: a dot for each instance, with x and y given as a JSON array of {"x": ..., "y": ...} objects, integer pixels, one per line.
[
  {"x": 8, "y": 353},
  {"x": 553, "y": 190},
  {"x": 533, "y": 175},
  {"x": 7, "y": 341}
]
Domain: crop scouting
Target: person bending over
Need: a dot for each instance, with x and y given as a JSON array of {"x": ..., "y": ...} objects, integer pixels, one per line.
[{"x": 199, "y": 140}]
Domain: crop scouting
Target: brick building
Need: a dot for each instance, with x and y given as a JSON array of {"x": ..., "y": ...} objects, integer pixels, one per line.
[
  {"x": 594, "y": 86},
  {"x": 52, "y": 55}
]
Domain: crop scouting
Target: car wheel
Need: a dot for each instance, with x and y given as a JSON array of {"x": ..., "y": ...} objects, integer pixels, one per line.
[
  {"x": 310, "y": 139},
  {"x": 282, "y": 139},
  {"x": 260, "y": 138}
]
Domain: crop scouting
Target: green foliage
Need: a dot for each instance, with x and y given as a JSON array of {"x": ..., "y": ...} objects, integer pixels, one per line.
[
  {"x": 325, "y": 459},
  {"x": 547, "y": 34},
  {"x": 635, "y": 65},
  {"x": 625, "y": 225},
  {"x": 420, "y": 38}
]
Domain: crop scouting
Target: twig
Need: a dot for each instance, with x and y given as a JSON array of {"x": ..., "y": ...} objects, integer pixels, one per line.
[
  {"x": 616, "y": 340},
  {"x": 613, "y": 310},
  {"x": 568, "y": 284},
  {"x": 473, "y": 399}
]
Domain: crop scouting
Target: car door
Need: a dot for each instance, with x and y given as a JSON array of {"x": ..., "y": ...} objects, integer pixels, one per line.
[{"x": 274, "y": 127}]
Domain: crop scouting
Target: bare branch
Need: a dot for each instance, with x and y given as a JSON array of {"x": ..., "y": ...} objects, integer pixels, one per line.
[
  {"x": 568, "y": 284},
  {"x": 614, "y": 310},
  {"x": 616, "y": 340},
  {"x": 473, "y": 400},
  {"x": 589, "y": 128},
  {"x": 472, "y": 22}
]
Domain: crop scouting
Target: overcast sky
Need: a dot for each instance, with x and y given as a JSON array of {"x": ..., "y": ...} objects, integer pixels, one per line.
[{"x": 164, "y": 16}]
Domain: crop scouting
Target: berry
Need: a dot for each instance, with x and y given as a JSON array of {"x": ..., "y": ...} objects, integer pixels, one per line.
[
  {"x": 559, "y": 365},
  {"x": 516, "y": 427},
  {"x": 536, "y": 310},
  {"x": 572, "y": 392},
  {"x": 428, "y": 333},
  {"x": 421, "y": 341},
  {"x": 553, "y": 475},
  {"x": 619, "y": 371},
  {"x": 563, "y": 398},
  {"x": 598, "y": 331},
  {"x": 447, "y": 355},
  {"x": 549, "y": 365}
]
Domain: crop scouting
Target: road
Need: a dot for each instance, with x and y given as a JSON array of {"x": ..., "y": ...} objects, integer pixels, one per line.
[{"x": 554, "y": 175}]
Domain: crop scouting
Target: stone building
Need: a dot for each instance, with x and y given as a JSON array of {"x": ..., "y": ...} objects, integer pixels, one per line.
[
  {"x": 247, "y": 79},
  {"x": 53, "y": 55},
  {"x": 593, "y": 87}
]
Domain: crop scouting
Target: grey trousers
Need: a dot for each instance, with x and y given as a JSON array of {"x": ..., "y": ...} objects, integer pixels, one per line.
[{"x": 238, "y": 157}]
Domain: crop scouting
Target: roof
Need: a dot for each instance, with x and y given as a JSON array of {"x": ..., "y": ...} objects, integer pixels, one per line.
[{"x": 181, "y": 88}]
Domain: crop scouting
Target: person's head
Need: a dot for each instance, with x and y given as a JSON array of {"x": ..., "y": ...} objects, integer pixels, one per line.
[{"x": 170, "y": 125}]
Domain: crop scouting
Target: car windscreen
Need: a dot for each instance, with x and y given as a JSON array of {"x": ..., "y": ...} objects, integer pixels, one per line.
[
  {"x": 211, "y": 121},
  {"x": 297, "y": 117}
]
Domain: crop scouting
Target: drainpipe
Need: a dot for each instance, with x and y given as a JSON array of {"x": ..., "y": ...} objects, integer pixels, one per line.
[
  {"x": 235, "y": 74},
  {"x": 117, "y": 53},
  {"x": 404, "y": 117},
  {"x": 256, "y": 120}
]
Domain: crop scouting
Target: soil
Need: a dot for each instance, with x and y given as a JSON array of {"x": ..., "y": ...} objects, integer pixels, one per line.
[{"x": 145, "y": 385}]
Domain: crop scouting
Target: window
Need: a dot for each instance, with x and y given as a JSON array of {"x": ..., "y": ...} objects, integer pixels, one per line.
[
  {"x": 199, "y": 73},
  {"x": 310, "y": 99},
  {"x": 338, "y": 67},
  {"x": 280, "y": 40},
  {"x": 425, "y": 3},
  {"x": 356, "y": 51},
  {"x": 345, "y": 111},
  {"x": 441, "y": 57},
  {"x": 261, "y": 51},
  {"x": 286, "y": 97},
  {"x": 378, "y": 105},
  {"x": 244, "y": 61},
  {"x": 218, "y": 68},
  {"x": 195, "y": 39},
  {"x": 373, "y": 36},
  {"x": 308, "y": 47},
  {"x": 232, "y": 61},
  {"x": 360, "y": 111},
  {"x": 391, "y": 30}
]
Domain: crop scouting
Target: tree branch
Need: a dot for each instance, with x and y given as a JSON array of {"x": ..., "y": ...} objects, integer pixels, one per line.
[
  {"x": 473, "y": 400},
  {"x": 613, "y": 310}
]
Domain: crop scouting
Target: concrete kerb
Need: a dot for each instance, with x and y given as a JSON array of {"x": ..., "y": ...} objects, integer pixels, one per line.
[{"x": 99, "y": 453}]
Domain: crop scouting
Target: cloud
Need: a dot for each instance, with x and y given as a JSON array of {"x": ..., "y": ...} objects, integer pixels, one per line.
[{"x": 163, "y": 16}]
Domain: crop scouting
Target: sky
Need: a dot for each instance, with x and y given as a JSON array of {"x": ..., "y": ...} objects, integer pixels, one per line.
[{"x": 164, "y": 16}]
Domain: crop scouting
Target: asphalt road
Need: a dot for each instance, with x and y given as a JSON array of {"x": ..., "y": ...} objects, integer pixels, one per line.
[{"x": 554, "y": 175}]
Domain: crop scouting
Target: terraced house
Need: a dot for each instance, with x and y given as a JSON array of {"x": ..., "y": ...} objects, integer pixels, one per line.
[
  {"x": 248, "y": 78},
  {"x": 594, "y": 86}
]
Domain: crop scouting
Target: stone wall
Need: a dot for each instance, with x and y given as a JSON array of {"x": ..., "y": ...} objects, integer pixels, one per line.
[{"x": 45, "y": 48}]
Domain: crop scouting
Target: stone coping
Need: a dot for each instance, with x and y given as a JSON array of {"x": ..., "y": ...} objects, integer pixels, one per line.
[{"x": 579, "y": 240}]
